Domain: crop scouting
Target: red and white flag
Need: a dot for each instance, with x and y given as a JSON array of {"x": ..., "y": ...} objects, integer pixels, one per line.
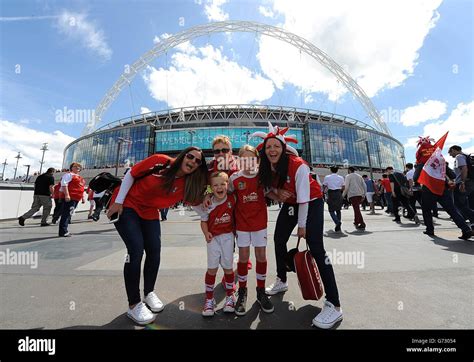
[{"x": 433, "y": 174}]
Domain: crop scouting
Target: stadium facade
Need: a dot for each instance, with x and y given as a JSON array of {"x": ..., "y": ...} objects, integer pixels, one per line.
[{"x": 324, "y": 138}]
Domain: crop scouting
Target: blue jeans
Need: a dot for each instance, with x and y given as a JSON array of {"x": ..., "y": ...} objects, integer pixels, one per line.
[
  {"x": 461, "y": 201},
  {"x": 139, "y": 235},
  {"x": 67, "y": 210},
  {"x": 285, "y": 224},
  {"x": 335, "y": 216},
  {"x": 388, "y": 199}
]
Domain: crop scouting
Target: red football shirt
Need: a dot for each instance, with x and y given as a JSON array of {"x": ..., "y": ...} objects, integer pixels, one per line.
[
  {"x": 75, "y": 185},
  {"x": 386, "y": 184},
  {"x": 147, "y": 195},
  {"x": 251, "y": 207},
  {"x": 219, "y": 216},
  {"x": 300, "y": 182}
]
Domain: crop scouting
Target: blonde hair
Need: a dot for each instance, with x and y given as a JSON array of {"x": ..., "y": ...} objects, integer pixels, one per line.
[
  {"x": 219, "y": 174},
  {"x": 248, "y": 148},
  {"x": 222, "y": 139}
]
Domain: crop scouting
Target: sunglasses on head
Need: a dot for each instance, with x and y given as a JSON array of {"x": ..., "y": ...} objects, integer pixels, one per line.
[
  {"x": 190, "y": 156},
  {"x": 223, "y": 150}
]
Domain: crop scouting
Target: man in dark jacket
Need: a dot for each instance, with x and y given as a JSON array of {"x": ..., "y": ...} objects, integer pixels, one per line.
[{"x": 41, "y": 198}]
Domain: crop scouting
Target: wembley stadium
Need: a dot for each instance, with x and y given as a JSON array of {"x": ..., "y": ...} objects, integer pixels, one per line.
[{"x": 323, "y": 138}]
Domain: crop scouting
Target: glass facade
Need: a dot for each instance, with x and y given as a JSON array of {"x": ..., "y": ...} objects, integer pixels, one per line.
[
  {"x": 177, "y": 140},
  {"x": 100, "y": 149},
  {"x": 338, "y": 144},
  {"x": 319, "y": 143}
]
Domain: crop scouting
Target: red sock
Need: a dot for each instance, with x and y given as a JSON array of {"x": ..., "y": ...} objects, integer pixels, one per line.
[
  {"x": 229, "y": 283},
  {"x": 209, "y": 281},
  {"x": 261, "y": 271},
  {"x": 242, "y": 272}
]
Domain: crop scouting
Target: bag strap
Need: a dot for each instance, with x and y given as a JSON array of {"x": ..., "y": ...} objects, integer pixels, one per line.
[{"x": 298, "y": 244}]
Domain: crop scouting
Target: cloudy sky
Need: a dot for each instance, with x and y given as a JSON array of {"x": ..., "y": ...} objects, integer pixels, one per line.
[{"x": 413, "y": 58}]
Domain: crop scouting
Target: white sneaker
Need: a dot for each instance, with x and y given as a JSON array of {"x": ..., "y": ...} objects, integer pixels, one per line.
[
  {"x": 154, "y": 303},
  {"x": 209, "y": 308},
  {"x": 328, "y": 317},
  {"x": 140, "y": 314},
  {"x": 277, "y": 287},
  {"x": 229, "y": 306}
]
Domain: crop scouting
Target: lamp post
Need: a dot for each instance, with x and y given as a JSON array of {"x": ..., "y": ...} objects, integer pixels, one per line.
[
  {"x": 368, "y": 155},
  {"x": 192, "y": 133},
  {"x": 27, "y": 172},
  {"x": 120, "y": 140},
  {"x": 16, "y": 167},
  {"x": 44, "y": 149},
  {"x": 3, "y": 172},
  {"x": 247, "y": 134},
  {"x": 332, "y": 141}
]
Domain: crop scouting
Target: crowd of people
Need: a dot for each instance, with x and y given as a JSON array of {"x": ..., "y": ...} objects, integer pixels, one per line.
[{"x": 231, "y": 199}]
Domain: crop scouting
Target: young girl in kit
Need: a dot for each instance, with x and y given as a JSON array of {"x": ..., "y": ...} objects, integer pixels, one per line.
[{"x": 251, "y": 227}]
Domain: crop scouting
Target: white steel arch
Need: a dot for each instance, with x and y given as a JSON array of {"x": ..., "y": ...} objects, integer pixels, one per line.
[{"x": 237, "y": 26}]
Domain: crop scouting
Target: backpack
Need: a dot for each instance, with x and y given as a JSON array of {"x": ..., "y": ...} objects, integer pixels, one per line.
[
  {"x": 104, "y": 181},
  {"x": 470, "y": 165}
]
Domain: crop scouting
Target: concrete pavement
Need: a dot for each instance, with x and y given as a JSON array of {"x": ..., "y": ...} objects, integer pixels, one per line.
[{"x": 390, "y": 276}]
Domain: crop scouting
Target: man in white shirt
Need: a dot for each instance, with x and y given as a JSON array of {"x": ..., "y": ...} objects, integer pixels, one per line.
[
  {"x": 355, "y": 189},
  {"x": 333, "y": 185}
]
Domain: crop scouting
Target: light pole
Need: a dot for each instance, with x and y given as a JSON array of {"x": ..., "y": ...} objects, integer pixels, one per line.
[
  {"x": 3, "y": 172},
  {"x": 332, "y": 141},
  {"x": 120, "y": 140},
  {"x": 192, "y": 133},
  {"x": 247, "y": 134},
  {"x": 44, "y": 149},
  {"x": 27, "y": 173},
  {"x": 16, "y": 167},
  {"x": 368, "y": 155},
  {"x": 378, "y": 155}
]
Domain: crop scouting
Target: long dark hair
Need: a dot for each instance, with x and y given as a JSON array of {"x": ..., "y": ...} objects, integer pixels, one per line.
[
  {"x": 196, "y": 182},
  {"x": 265, "y": 173}
]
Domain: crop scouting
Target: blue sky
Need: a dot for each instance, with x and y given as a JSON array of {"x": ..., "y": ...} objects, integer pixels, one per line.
[{"x": 414, "y": 59}]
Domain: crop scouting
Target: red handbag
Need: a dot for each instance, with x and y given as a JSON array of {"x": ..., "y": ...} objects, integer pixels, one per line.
[{"x": 309, "y": 279}]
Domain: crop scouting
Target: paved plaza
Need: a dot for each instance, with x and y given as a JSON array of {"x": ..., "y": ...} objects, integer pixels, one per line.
[{"x": 390, "y": 276}]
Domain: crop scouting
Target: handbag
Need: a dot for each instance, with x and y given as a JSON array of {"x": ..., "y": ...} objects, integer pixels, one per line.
[
  {"x": 307, "y": 272},
  {"x": 405, "y": 191}
]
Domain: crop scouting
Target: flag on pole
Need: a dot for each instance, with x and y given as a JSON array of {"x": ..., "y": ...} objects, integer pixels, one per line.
[
  {"x": 433, "y": 174},
  {"x": 440, "y": 143}
]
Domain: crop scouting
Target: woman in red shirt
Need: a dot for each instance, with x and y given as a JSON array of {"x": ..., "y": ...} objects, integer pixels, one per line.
[
  {"x": 287, "y": 174},
  {"x": 137, "y": 202}
]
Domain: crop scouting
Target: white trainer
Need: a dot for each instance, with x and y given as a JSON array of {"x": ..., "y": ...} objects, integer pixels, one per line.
[
  {"x": 154, "y": 303},
  {"x": 328, "y": 317},
  {"x": 209, "y": 308},
  {"x": 277, "y": 287},
  {"x": 229, "y": 306},
  {"x": 140, "y": 314}
]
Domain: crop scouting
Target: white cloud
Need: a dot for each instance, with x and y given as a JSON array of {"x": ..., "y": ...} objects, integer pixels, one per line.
[
  {"x": 17, "y": 137},
  {"x": 205, "y": 76},
  {"x": 377, "y": 42},
  {"x": 213, "y": 10},
  {"x": 460, "y": 127},
  {"x": 422, "y": 112},
  {"x": 459, "y": 124},
  {"x": 144, "y": 110},
  {"x": 266, "y": 12},
  {"x": 28, "y": 18},
  {"x": 78, "y": 28}
]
